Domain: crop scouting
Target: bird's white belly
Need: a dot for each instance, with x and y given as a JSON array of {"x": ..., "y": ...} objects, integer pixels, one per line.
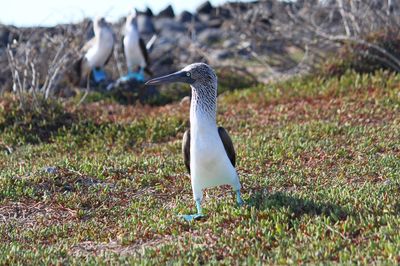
[
  {"x": 99, "y": 53},
  {"x": 210, "y": 165},
  {"x": 133, "y": 53}
]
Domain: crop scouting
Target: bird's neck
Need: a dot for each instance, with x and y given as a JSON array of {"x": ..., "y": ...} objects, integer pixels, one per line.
[
  {"x": 102, "y": 34},
  {"x": 97, "y": 31},
  {"x": 203, "y": 108},
  {"x": 131, "y": 29}
]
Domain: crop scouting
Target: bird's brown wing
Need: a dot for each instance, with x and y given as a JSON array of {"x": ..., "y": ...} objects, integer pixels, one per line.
[
  {"x": 109, "y": 56},
  {"x": 82, "y": 67},
  {"x": 226, "y": 141},
  {"x": 228, "y": 145},
  {"x": 186, "y": 149},
  {"x": 146, "y": 57},
  {"x": 144, "y": 51},
  {"x": 122, "y": 46}
]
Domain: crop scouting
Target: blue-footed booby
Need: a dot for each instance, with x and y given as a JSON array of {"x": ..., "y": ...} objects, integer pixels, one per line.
[
  {"x": 135, "y": 50},
  {"x": 207, "y": 149},
  {"x": 97, "y": 51}
]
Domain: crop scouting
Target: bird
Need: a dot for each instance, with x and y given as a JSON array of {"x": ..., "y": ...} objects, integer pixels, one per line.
[
  {"x": 208, "y": 151},
  {"x": 97, "y": 51},
  {"x": 135, "y": 50}
]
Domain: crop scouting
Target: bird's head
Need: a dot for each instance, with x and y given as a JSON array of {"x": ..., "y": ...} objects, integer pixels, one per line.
[
  {"x": 100, "y": 22},
  {"x": 194, "y": 74},
  {"x": 131, "y": 19}
]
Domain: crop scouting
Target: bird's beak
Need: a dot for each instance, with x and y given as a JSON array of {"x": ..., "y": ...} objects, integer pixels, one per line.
[{"x": 180, "y": 76}]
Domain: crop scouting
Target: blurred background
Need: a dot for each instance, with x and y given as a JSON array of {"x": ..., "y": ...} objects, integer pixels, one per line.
[
  {"x": 247, "y": 42},
  {"x": 50, "y": 13}
]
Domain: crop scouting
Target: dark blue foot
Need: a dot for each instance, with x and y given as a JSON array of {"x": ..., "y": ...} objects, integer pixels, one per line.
[
  {"x": 138, "y": 76},
  {"x": 99, "y": 75},
  {"x": 239, "y": 199},
  {"x": 192, "y": 217}
]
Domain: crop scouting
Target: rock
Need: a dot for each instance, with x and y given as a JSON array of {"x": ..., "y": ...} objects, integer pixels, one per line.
[
  {"x": 204, "y": 8},
  {"x": 185, "y": 17},
  {"x": 244, "y": 53},
  {"x": 228, "y": 44},
  {"x": 199, "y": 27},
  {"x": 168, "y": 25},
  {"x": 215, "y": 23},
  {"x": 184, "y": 42},
  {"x": 222, "y": 13},
  {"x": 168, "y": 12},
  {"x": 211, "y": 21},
  {"x": 184, "y": 57},
  {"x": 221, "y": 54},
  {"x": 167, "y": 60},
  {"x": 130, "y": 91},
  {"x": 266, "y": 22},
  {"x": 145, "y": 25},
  {"x": 209, "y": 36},
  {"x": 239, "y": 6},
  {"x": 163, "y": 45}
]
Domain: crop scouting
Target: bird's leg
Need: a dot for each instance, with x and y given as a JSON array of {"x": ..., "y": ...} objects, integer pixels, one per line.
[
  {"x": 141, "y": 70},
  {"x": 239, "y": 199},
  {"x": 198, "y": 215},
  {"x": 198, "y": 207},
  {"x": 140, "y": 74},
  {"x": 98, "y": 74}
]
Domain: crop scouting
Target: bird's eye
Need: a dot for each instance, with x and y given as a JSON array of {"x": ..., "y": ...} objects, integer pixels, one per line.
[{"x": 188, "y": 74}]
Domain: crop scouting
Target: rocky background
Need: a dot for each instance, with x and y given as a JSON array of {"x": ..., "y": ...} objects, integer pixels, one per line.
[{"x": 246, "y": 43}]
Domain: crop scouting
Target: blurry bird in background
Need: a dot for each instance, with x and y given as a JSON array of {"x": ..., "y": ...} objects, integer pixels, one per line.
[
  {"x": 96, "y": 52},
  {"x": 135, "y": 50}
]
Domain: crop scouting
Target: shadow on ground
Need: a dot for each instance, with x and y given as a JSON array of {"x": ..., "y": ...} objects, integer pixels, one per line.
[{"x": 262, "y": 200}]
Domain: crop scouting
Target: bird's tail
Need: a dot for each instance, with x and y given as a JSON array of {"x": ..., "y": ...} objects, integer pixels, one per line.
[
  {"x": 76, "y": 72},
  {"x": 82, "y": 70}
]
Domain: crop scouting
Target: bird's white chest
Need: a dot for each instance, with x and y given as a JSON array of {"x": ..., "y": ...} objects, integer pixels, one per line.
[
  {"x": 209, "y": 163},
  {"x": 132, "y": 49},
  {"x": 98, "y": 54},
  {"x": 205, "y": 148}
]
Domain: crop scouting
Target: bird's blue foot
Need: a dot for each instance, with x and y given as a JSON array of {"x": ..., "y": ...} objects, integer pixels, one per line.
[
  {"x": 138, "y": 76},
  {"x": 192, "y": 217},
  {"x": 239, "y": 199},
  {"x": 99, "y": 75}
]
